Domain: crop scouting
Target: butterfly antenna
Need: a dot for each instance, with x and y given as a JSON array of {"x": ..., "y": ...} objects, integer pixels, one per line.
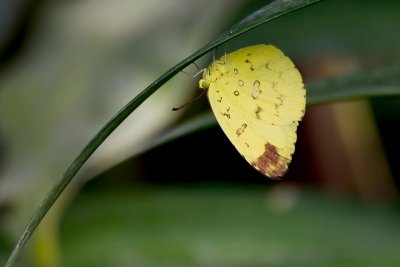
[
  {"x": 197, "y": 66},
  {"x": 201, "y": 71},
  {"x": 194, "y": 63},
  {"x": 191, "y": 102},
  {"x": 214, "y": 53},
  {"x": 185, "y": 72}
]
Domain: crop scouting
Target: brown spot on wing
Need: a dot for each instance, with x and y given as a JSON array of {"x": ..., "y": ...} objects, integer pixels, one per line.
[
  {"x": 256, "y": 89},
  {"x": 271, "y": 163},
  {"x": 226, "y": 113},
  {"x": 240, "y": 130},
  {"x": 257, "y": 112}
]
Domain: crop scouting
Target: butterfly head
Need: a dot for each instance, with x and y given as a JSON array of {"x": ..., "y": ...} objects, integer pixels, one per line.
[{"x": 214, "y": 71}]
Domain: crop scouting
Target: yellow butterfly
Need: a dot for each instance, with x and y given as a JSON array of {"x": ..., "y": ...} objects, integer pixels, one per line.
[{"x": 258, "y": 98}]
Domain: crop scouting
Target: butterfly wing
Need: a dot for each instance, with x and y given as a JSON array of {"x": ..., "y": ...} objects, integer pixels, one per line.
[{"x": 258, "y": 98}]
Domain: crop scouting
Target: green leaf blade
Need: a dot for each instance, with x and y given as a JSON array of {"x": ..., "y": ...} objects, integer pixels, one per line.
[{"x": 380, "y": 82}]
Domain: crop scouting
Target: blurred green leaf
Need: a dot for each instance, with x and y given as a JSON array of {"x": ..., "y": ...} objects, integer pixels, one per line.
[
  {"x": 226, "y": 225},
  {"x": 374, "y": 83}
]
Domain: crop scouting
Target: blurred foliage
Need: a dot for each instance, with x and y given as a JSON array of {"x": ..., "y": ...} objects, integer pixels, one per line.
[
  {"x": 72, "y": 75},
  {"x": 78, "y": 65},
  {"x": 226, "y": 225}
]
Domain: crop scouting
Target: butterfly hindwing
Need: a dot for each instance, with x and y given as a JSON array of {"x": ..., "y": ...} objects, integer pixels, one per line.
[{"x": 258, "y": 97}]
